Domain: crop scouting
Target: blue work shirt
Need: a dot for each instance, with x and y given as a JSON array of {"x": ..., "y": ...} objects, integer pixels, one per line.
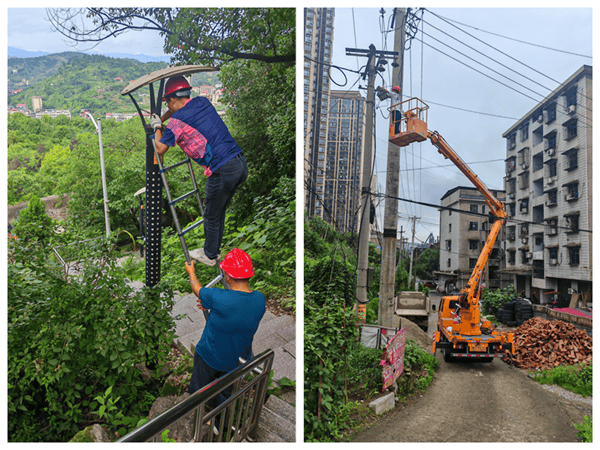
[
  {"x": 200, "y": 132},
  {"x": 234, "y": 318}
]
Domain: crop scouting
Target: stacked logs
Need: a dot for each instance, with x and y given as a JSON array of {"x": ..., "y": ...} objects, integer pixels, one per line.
[{"x": 543, "y": 344}]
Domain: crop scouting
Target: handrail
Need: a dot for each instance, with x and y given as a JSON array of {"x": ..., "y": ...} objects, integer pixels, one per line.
[{"x": 195, "y": 402}]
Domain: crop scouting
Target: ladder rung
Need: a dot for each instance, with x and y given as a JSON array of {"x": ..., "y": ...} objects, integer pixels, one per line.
[
  {"x": 191, "y": 227},
  {"x": 184, "y": 196},
  {"x": 174, "y": 165},
  {"x": 215, "y": 281}
]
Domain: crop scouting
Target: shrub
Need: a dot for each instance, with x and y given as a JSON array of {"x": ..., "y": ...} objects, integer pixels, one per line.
[
  {"x": 33, "y": 224},
  {"x": 491, "y": 300},
  {"x": 70, "y": 337}
]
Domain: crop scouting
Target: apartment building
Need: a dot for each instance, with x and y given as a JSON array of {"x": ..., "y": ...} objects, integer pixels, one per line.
[
  {"x": 318, "y": 43},
  {"x": 462, "y": 237},
  {"x": 548, "y": 184},
  {"x": 341, "y": 160}
]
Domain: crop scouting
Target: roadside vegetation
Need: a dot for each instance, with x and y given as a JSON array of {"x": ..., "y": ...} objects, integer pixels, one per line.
[
  {"x": 340, "y": 375},
  {"x": 577, "y": 379}
]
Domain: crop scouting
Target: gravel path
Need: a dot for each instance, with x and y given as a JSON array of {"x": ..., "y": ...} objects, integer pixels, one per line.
[{"x": 566, "y": 393}]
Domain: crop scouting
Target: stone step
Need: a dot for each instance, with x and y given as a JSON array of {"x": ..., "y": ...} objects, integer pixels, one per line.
[{"x": 277, "y": 422}]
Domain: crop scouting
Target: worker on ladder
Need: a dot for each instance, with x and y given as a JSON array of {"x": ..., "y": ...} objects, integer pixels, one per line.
[{"x": 200, "y": 132}]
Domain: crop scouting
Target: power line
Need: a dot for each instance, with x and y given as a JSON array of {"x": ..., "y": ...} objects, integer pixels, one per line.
[{"x": 514, "y": 39}]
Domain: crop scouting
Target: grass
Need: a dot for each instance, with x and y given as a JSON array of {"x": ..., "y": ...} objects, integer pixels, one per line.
[{"x": 577, "y": 378}]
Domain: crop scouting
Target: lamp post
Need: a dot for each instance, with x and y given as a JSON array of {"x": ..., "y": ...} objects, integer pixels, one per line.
[{"x": 99, "y": 130}]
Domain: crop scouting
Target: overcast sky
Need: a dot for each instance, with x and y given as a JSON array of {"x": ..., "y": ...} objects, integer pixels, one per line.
[
  {"x": 459, "y": 97},
  {"x": 29, "y": 29}
]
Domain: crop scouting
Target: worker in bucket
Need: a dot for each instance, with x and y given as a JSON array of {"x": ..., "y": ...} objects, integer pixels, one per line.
[
  {"x": 200, "y": 132},
  {"x": 234, "y": 317}
]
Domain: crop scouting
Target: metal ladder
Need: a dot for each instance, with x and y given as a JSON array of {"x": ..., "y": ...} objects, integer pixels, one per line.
[{"x": 196, "y": 193}]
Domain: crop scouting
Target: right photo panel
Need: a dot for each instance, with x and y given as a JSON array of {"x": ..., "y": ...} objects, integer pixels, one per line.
[{"x": 447, "y": 224}]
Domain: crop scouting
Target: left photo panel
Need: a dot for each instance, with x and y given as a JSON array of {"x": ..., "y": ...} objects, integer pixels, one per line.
[{"x": 151, "y": 207}]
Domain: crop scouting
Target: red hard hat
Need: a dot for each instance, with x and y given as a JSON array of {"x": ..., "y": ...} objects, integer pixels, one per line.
[
  {"x": 396, "y": 88},
  {"x": 237, "y": 264},
  {"x": 175, "y": 84}
]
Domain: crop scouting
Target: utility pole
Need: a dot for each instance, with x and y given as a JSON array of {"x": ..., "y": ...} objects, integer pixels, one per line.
[
  {"x": 363, "y": 240},
  {"x": 412, "y": 252},
  {"x": 390, "y": 223}
]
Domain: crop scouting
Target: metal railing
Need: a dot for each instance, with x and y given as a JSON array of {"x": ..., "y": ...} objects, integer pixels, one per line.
[{"x": 235, "y": 418}]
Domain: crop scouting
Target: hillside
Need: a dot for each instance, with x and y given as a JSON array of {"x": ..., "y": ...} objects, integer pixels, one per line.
[{"x": 76, "y": 81}]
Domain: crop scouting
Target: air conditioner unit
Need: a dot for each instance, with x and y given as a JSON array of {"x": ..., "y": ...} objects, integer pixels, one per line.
[
  {"x": 550, "y": 203},
  {"x": 553, "y": 231},
  {"x": 570, "y": 291},
  {"x": 550, "y": 151},
  {"x": 550, "y": 181},
  {"x": 553, "y": 261},
  {"x": 528, "y": 255},
  {"x": 511, "y": 196},
  {"x": 540, "y": 118},
  {"x": 570, "y": 197},
  {"x": 571, "y": 109},
  {"x": 524, "y": 240}
]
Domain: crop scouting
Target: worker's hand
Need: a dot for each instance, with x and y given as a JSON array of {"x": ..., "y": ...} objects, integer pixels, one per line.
[
  {"x": 190, "y": 269},
  {"x": 155, "y": 122},
  {"x": 199, "y": 304}
]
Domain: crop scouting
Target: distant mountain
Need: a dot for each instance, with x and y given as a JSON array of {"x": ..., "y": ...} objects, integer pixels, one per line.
[{"x": 18, "y": 53}]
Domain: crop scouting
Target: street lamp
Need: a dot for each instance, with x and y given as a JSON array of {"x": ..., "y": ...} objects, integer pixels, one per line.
[{"x": 99, "y": 130}]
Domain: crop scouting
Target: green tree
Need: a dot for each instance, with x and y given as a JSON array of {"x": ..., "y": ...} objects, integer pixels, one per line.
[
  {"x": 33, "y": 224},
  {"x": 194, "y": 35},
  {"x": 427, "y": 263}
]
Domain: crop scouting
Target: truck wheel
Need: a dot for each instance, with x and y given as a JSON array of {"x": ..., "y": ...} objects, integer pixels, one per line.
[{"x": 447, "y": 354}]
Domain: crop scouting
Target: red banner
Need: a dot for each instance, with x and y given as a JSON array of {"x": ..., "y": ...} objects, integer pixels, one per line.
[{"x": 392, "y": 360}]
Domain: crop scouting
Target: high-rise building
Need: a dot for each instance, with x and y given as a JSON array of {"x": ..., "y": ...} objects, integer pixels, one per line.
[
  {"x": 340, "y": 184},
  {"x": 548, "y": 184},
  {"x": 318, "y": 44}
]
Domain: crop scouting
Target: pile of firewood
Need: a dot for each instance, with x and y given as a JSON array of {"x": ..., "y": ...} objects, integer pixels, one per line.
[{"x": 543, "y": 344}]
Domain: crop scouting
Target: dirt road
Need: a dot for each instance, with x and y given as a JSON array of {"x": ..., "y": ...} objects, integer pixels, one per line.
[{"x": 477, "y": 402}]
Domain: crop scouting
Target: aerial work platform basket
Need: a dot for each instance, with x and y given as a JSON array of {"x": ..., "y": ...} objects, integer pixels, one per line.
[{"x": 409, "y": 122}]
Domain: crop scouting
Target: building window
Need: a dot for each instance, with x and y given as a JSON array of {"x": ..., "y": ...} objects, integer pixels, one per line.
[
  {"x": 511, "y": 141},
  {"x": 573, "y": 256},
  {"x": 571, "y": 191},
  {"x": 571, "y": 159},
  {"x": 524, "y": 132},
  {"x": 449, "y": 228},
  {"x": 552, "y": 196},
  {"x": 472, "y": 263},
  {"x": 473, "y": 226},
  {"x": 550, "y": 142},
  {"x": 449, "y": 244},
  {"x": 473, "y": 208},
  {"x": 473, "y": 244},
  {"x": 570, "y": 129},
  {"x": 511, "y": 256},
  {"x": 448, "y": 262},
  {"x": 524, "y": 205},
  {"x": 572, "y": 223}
]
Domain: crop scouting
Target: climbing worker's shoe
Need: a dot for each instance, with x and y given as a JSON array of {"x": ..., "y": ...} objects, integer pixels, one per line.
[{"x": 201, "y": 256}]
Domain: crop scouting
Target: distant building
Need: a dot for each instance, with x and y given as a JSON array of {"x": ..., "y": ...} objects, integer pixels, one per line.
[
  {"x": 36, "y": 103},
  {"x": 462, "y": 237},
  {"x": 318, "y": 41},
  {"x": 549, "y": 188},
  {"x": 339, "y": 162}
]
